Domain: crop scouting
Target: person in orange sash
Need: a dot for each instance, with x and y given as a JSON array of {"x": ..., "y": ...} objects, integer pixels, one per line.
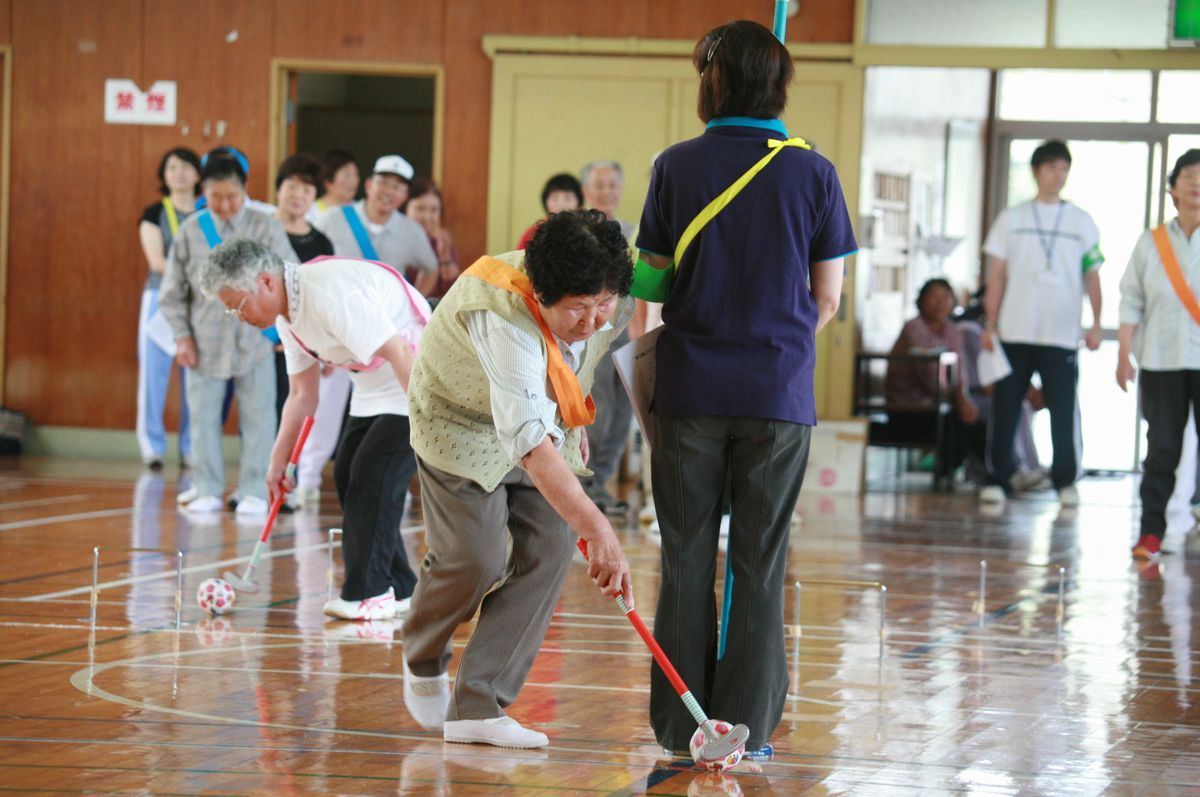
[
  {"x": 1160, "y": 325},
  {"x": 498, "y": 402}
]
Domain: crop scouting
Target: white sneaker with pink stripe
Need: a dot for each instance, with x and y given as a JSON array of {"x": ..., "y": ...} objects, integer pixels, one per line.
[{"x": 380, "y": 607}]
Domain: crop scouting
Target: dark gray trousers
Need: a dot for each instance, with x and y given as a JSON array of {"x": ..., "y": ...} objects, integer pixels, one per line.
[
  {"x": 608, "y": 433},
  {"x": 466, "y": 569},
  {"x": 765, "y": 460},
  {"x": 1167, "y": 399}
]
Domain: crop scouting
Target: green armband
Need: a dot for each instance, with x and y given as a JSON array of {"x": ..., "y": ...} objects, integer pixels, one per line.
[{"x": 650, "y": 283}]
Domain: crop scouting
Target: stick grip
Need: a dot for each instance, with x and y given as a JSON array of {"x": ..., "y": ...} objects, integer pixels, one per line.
[
  {"x": 655, "y": 650},
  {"x": 293, "y": 460}
]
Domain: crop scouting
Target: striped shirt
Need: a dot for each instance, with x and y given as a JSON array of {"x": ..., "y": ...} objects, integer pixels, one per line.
[
  {"x": 1167, "y": 339},
  {"x": 225, "y": 345}
]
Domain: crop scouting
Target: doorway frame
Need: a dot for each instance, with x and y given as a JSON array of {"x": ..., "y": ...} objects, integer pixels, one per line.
[
  {"x": 282, "y": 68},
  {"x": 6, "y": 55}
]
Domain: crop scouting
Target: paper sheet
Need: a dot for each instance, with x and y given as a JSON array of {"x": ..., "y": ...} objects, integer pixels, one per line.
[
  {"x": 160, "y": 334},
  {"x": 992, "y": 365},
  {"x": 635, "y": 366}
]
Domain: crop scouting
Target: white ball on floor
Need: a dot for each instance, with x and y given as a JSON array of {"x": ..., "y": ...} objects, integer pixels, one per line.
[
  {"x": 215, "y": 595},
  {"x": 700, "y": 738}
]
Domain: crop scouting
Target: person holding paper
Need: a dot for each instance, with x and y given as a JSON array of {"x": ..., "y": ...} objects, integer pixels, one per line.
[
  {"x": 746, "y": 287},
  {"x": 179, "y": 182},
  {"x": 498, "y": 405},
  {"x": 1043, "y": 255},
  {"x": 1160, "y": 325}
]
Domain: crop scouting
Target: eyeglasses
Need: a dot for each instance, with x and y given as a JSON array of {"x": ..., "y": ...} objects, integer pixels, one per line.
[{"x": 237, "y": 311}]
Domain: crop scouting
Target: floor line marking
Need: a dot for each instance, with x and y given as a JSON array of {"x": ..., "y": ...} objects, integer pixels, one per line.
[{"x": 53, "y": 519}]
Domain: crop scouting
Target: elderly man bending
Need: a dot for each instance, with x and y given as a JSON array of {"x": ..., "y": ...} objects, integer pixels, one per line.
[
  {"x": 498, "y": 401},
  {"x": 363, "y": 316}
]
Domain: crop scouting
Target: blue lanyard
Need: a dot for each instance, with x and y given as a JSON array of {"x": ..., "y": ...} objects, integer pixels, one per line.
[
  {"x": 209, "y": 228},
  {"x": 360, "y": 233},
  {"x": 1048, "y": 245}
]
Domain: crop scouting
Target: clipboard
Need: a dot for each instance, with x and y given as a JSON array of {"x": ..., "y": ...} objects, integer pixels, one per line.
[{"x": 635, "y": 364}]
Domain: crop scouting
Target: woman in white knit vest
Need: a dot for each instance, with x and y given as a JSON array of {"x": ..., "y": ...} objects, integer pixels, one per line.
[{"x": 498, "y": 405}]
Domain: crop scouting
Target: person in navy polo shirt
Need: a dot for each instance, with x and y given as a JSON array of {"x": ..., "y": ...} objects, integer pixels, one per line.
[{"x": 744, "y": 299}]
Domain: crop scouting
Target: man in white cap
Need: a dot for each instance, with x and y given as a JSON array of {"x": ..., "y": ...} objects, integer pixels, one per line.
[{"x": 373, "y": 229}]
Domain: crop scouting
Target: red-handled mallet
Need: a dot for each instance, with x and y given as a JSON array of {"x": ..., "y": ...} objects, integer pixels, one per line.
[
  {"x": 245, "y": 582},
  {"x": 716, "y": 745}
]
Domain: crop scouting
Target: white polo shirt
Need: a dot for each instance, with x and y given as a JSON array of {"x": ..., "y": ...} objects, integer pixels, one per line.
[
  {"x": 1047, "y": 249},
  {"x": 342, "y": 310}
]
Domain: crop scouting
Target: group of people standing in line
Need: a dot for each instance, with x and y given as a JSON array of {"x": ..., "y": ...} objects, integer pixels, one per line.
[{"x": 1043, "y": 260}]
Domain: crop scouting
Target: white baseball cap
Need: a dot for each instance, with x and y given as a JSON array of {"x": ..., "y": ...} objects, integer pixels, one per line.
[{"x": 393, "y": 164}]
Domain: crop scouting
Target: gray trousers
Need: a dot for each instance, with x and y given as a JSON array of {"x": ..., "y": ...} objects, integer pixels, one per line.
[
  {"x": 610, "y": 430},
  {"x": 465, "y": 534},
  {"x": 766, "y": 460},
  {"x": 255, "y": 392}
]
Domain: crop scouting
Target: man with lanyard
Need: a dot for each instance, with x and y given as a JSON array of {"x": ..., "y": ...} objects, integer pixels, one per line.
[
  {"x": 216, "y": 346},
  {"x": 1042, "y": 256},
  {"x": 498, "y": 401},
  {"x": 373, "y": 229}
]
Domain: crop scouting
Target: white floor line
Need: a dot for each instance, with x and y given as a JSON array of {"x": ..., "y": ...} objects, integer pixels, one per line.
[
  {"x": 42, "y": 502},
  {"x": 218, "y": 565},
  {"x": 46, "y": 521}
]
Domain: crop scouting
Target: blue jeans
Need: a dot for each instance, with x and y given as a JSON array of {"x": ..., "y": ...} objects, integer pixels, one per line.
[{"x": 154, "y": 378}]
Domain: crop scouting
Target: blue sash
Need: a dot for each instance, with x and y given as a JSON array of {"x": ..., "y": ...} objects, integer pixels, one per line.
[
  {"x": 360, "y": 233},
  {"x": 209, "y": 228}
]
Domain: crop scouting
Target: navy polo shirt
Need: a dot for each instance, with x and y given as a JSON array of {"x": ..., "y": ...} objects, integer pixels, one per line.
[{"x": 740, "y": 320}]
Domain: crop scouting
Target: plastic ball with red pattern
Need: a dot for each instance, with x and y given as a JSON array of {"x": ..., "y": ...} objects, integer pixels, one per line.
[
  {"x": 711, "y": 730},
  {"x": 215, "y": 595}
]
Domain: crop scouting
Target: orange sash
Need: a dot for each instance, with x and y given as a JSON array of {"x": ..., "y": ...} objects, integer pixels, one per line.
[
  {"x": 1174, "y": 273},
  {"x": 575, "y": 409}
]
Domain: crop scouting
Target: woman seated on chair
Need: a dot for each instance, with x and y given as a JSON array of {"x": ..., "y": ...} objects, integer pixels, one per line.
[{"x": 912, "y": 385}]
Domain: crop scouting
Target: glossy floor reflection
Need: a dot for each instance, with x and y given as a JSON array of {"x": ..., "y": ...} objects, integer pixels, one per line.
[{"x": 1000, "y": 693}]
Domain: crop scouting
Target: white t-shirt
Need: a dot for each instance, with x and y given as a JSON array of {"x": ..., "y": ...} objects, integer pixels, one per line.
[
  {"x": 1047, "y": 248},
  {"x": 342, "y": 310}
]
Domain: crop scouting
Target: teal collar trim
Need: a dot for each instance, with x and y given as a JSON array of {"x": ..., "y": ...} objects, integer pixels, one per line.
[{"x": 748, "y": 121}]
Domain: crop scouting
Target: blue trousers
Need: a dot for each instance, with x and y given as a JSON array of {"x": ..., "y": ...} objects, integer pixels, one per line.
[{"x": 154, "y": 378}]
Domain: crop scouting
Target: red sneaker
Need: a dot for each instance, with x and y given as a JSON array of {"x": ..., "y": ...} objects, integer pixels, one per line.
[{"x": 1147, "y": 547}]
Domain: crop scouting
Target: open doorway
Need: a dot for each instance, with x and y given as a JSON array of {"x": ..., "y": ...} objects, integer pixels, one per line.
[{"x": 367, "y": 109}]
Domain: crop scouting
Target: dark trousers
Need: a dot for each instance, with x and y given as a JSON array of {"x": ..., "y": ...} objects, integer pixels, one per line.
[
  {"x": 607, "y": 434},
  {"x": 1167, "y": 398},
  {"x": 765, "y": 460},
  {"x": 374, "y": 465},
  {"x": 1059, "y": 370}
]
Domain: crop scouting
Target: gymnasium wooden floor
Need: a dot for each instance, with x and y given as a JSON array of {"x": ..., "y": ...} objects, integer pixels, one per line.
[{"x": 971, "y": 696}]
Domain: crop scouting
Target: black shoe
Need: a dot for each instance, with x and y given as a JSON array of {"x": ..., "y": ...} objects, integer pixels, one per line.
[{"x": 155, "y": 465}]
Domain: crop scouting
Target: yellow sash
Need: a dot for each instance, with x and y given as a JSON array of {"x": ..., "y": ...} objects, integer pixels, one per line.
[
  {"x": 172, "y": 216},
  {"x": 1174, "y": 273},
  {"x": 576, "y": 410},
  {"x": 717, "y": 205}
]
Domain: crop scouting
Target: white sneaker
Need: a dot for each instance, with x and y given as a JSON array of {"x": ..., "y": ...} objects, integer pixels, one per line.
[
  {"x": 381, "y": 607},
  {"x": 403, "y": 605},
  {"x": 499, "y": 731},
  {"x": 367, "y": 631},
  {"x": 308, "y": 497},
  {"x": 427, "y": 697},
  {"x": 1068, "y": 496},
  {"x": 992, "y": 494},
  {"x": 1027, "y": 479},
  {"x": 187, "y": 496},
  {"x": 205, "y": 504},
  {"x": 252, "y": 505}
]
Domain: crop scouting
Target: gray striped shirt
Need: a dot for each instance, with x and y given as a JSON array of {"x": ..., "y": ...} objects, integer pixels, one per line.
[{"x": 225, "y": 345}]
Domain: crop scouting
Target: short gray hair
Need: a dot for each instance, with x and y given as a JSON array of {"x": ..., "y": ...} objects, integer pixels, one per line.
[
  {"x": 591, "y": 166},
  {"x": 235, "y": 264}
]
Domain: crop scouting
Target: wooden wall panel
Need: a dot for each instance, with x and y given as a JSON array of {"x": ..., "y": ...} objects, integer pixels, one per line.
[
  {"x": 5, "y": 21},
  {"x": 359, "y": 30},
  {"x": 72, "y": 306},
  {"x": 826, "y": 22}
]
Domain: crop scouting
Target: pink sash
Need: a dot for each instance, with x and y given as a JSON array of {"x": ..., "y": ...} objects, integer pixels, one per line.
[{"x": 418, "y": 308}]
